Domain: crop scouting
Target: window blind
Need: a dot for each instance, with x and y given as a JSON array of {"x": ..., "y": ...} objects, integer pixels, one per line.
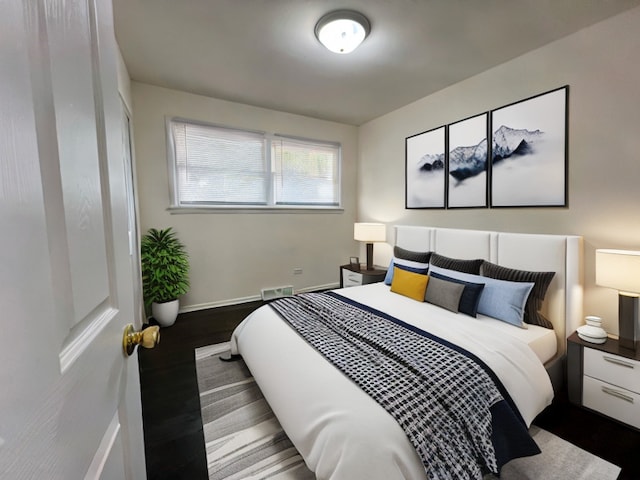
[
  {"x": 306, "y": 172},
  {"x": 227, "y": 167},
  {"x": 218, "y": 165}
]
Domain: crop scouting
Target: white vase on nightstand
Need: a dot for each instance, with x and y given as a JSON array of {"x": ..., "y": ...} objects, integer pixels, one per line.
[{"x": 592, "y": 332}]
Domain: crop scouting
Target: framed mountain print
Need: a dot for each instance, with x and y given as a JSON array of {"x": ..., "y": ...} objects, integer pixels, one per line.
[
  {"x": 467, "y": 163},
  {"x": 425, "y": 169},
  {"x": 529, "y": 152}
]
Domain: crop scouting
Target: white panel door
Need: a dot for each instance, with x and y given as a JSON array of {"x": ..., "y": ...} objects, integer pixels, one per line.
[{"x": 69, "y": 398}]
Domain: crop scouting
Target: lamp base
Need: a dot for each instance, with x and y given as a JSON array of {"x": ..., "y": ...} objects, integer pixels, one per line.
[
  {"x": 369, "y": 256},
  {"x": 628, "y": 321}
]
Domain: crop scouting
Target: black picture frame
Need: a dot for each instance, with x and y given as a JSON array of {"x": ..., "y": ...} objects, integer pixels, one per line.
[
  {"x": 468, "y": 162},
  {"x": 354, "y": 262},
  {"x": 425, "y": 169},
  {"x": 529, "y": 152}
]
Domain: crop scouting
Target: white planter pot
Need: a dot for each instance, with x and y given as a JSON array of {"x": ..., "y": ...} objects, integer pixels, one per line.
[{"x": 165, "y": 313}]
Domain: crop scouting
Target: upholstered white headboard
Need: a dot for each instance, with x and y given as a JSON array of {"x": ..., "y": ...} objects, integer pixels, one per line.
[{"x": 557, "y": 253}]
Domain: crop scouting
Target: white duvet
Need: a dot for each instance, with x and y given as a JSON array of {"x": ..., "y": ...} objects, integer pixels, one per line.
[{"x": 338, "y": 429}]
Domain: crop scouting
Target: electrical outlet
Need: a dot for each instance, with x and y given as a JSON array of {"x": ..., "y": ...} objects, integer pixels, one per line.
[{"x": 297, "y": 271}]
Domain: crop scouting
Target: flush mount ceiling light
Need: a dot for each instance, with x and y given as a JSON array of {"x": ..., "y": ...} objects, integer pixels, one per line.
[{"x": 342, "y": 31}]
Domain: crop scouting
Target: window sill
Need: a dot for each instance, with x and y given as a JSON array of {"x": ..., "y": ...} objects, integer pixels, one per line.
[{"x": 252, "y": 209}]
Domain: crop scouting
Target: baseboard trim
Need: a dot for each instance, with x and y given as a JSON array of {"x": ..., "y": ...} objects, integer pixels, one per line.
[
  {"x": 220, "y": 303},
  {"x": 328, "y": 286},
  {"x": 252, "y": 298}
]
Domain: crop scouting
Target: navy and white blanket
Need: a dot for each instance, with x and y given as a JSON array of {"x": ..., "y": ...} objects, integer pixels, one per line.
[{"x": 453, "y": 409}]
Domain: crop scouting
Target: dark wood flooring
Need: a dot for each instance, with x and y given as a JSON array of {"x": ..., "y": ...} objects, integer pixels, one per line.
[
  {"x": 174, "y": 442},
  {"x": 173, "y": 437}
]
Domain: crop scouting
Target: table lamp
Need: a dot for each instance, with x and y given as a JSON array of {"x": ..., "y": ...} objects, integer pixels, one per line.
[
  {"x": 369, "y": 232},
  {"x": 620, "y": 269}
]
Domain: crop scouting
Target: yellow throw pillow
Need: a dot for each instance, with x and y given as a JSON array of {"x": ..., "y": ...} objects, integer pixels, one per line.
[{"x": 409, "y": 284}]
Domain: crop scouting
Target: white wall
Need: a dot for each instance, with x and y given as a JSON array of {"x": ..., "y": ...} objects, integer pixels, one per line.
[
  {"x": 600, "y": 65},
  {"x": 234, "y": 255},
  {"x": 124, "y": 82}
]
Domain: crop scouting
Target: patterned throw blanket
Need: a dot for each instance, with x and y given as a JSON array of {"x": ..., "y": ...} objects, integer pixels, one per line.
[{"x": 453, "y": 409}]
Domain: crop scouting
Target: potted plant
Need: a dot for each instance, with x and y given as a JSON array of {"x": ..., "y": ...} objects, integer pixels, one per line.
[{"x": 165, "y": 273}]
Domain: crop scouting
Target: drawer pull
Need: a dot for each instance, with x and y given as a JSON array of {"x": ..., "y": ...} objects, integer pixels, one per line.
[
  {"x": 617, "y": 393},
  {"x": 617, "y": 361}
]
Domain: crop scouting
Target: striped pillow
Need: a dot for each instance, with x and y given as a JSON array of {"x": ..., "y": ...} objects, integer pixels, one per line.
[
  {"x": 421, "y": 257},
  {"x": 459, "y": 265}
]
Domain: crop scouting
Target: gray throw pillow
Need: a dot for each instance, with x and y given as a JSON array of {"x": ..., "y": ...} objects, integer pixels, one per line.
[{"x": 443, "y": 293}]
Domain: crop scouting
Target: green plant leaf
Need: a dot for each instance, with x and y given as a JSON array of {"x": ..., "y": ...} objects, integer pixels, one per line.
[{"x": 165, "y": 266}]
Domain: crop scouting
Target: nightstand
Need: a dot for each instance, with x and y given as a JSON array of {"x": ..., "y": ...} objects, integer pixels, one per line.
[
  {"x": 604, "y": 378},
  {"x": 351, "y": 276}
]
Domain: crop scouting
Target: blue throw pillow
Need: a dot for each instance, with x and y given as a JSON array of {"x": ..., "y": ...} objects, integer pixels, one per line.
[
  {"x": 470, "y": 295},
  {"x": 410, "y": 266},
  {"x": 500, "y": 299},
  {"x": 541, "y": 281}
]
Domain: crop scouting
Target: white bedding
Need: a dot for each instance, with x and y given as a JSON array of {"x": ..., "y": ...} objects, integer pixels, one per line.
[
  {"x": 541, "y": 340},
  {"x": 339, "y": 430}
]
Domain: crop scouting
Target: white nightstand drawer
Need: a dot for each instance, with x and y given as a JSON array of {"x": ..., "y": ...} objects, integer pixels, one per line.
[
  {"x": 351, "y": 279},
  {"x": 620, "y": 371},
  {"x": 612, "y": 401}
]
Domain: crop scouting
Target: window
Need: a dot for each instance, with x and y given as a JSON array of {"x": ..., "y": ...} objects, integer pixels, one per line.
[
  {"x": 220, "y": 167},
  {"x": 305, "y": 173}
]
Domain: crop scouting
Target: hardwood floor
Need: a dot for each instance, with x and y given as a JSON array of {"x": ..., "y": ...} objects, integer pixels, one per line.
[
  {"x": 174, "y": 441},
  {"x": 594, "y": 433}
]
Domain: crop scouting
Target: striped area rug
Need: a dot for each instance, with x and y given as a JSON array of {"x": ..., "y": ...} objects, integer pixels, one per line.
[
  {"x": 243, "y": 437},
  {"x": 245, "y": 441}
]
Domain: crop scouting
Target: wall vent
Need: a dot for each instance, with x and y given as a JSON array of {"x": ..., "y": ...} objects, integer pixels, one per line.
[{"x": 276, "y": 292}]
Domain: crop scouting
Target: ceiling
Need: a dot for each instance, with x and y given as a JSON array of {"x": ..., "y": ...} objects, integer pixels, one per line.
[{"x": 264, "y": 52}]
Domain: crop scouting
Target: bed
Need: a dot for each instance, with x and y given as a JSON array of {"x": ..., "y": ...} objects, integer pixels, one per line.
[{"x": 341, "y": 431}]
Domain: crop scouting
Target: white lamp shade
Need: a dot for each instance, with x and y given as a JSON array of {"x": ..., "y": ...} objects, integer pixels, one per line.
[
  {"x": 342, "y": 31},
  {"x": 369, "y": 232},
  {"x": 619, "y": 269}
]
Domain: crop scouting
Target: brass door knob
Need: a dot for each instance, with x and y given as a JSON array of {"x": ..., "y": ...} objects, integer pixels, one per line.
[{"x": 147, "y": 338}]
